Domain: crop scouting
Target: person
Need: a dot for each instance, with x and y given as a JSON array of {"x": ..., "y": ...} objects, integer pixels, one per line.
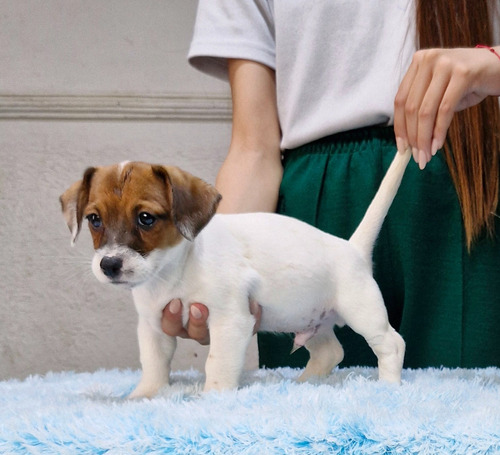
[{"x": 323, "y": 93}]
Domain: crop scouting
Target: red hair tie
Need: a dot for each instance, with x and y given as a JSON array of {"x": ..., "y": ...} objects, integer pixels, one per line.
[{"x": 493, "y": 51}]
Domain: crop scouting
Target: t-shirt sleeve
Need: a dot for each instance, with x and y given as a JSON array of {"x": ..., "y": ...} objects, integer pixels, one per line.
[{"x": 224, "y": 29}]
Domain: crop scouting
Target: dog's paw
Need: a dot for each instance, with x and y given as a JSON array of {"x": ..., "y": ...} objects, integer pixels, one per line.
[
  {"x": 144, "y": 391},
  {"x": 311, "y": 373}
]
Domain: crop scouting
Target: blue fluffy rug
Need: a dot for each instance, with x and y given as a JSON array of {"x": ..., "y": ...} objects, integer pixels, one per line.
[{"x": 434, "y": 411}]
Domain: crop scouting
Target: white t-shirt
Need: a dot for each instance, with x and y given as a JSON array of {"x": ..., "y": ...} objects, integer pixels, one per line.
[{"x": 338, "y": 63}]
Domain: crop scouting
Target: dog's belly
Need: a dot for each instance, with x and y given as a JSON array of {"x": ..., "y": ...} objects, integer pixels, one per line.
[
  {"x": 296, "y": 295},
  {"x": 291, "y": 313}
]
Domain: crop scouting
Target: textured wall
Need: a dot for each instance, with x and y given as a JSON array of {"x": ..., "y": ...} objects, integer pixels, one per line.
[{"x": 86, "y": 83}]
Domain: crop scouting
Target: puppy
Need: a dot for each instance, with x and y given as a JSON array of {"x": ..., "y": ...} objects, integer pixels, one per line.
[{"x": 155, "y": 231}]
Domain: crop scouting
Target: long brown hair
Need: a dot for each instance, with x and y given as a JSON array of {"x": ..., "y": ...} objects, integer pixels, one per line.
[{"x": 472, "y": 149}]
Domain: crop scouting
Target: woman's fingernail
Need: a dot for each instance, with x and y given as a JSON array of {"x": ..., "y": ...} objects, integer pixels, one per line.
[
  {"x": 174, "y": 306},
  {"x": 434, "y": 147},
  {"x": 414, "y": 152},
  {"x": 422, "y": 160},
  {"x": 196, "y": 313}
]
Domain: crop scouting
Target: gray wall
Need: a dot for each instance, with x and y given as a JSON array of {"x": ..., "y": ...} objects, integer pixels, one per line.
[{"x": 88, "y": 82}]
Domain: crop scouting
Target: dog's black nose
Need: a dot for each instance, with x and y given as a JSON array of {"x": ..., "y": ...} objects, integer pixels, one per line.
[{"x": 111, "y": 266}]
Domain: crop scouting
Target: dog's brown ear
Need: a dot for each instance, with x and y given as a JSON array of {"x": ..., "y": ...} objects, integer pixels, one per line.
[
  {"x": 194, "y": 201},
  {"x": 73, "y": 203}
]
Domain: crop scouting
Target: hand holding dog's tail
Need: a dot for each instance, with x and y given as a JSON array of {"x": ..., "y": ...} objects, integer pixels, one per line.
[{"x": 366, "y": 234}]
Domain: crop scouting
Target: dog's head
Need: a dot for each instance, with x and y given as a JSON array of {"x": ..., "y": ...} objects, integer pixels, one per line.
[{"x": 134, "y": 211}]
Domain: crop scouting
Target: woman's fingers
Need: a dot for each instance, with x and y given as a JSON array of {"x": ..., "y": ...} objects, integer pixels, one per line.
[
  {"x": 196, "y": 329},
  {"x": 438, "y": 83},
  {"x": 456, "y": 93},
  {"x": 400, "y": 126},
  {"x": 171, "y": 321},
  {"x": 429, "y": 110}
]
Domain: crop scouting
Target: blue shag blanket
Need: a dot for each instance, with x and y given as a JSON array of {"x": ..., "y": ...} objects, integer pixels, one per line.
[{"x": 434, "y": 411}]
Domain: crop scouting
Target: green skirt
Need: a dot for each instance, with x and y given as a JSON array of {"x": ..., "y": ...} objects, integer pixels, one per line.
[{"x": 444, "y": 301}]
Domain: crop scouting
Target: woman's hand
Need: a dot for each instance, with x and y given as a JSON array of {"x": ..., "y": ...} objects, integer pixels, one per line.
[
  {"x": 440, "y": 82},
  {"x": 197, "y": 328}
]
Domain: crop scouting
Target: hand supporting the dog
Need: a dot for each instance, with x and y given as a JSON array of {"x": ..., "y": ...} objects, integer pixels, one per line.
[
  {"x": 438, "y": 83},
  {"x": 197, "y": 328}
]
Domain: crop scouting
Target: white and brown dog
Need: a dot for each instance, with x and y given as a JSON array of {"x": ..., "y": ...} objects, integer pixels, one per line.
[{"x": 154, "y": 230}]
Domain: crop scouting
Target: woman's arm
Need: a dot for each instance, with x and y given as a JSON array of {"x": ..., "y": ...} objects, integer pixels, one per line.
[{"x": 250, "y": 176}]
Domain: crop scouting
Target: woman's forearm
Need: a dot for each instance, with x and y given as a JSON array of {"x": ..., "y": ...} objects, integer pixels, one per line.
[
  {"x": 249, "y": 181},
  {"x": 250, "y": 176}
]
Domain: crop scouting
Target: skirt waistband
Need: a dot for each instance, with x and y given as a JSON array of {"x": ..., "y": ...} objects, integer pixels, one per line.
[{"x": 346, "y": 141}]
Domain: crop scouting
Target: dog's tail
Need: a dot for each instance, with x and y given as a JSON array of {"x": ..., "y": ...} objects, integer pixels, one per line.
[{"x": 366, "y": 233}]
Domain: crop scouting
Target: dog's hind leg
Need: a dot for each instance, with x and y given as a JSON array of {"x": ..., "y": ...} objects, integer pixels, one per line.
[
  {"x": 325, "y": 352},
  {"x": 230, "y": 336},
  {"x": 389, "y": 347},
  {"x": 365, "y": 313}
]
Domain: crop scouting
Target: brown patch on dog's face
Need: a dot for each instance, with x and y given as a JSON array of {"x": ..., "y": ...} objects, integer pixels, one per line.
[{"x": 130, "y": 206}]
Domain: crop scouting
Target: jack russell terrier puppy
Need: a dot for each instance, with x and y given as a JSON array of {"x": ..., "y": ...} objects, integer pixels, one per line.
[{"x": 155, "y": 230}]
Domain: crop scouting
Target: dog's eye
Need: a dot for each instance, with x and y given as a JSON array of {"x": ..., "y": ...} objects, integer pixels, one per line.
[
  {"x": 94, "y": 220},
  {"x": 146, "y": 220}
]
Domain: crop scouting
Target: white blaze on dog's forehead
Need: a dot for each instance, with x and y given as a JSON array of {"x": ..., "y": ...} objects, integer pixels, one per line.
[
  {"x": 121, "y": 166},
  {"x": 121, "y": 176}
]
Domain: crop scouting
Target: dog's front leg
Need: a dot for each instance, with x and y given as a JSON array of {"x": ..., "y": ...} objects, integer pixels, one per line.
[
  {"x": 229, "y": 339},
  {"x": 156, "y": 352}
]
